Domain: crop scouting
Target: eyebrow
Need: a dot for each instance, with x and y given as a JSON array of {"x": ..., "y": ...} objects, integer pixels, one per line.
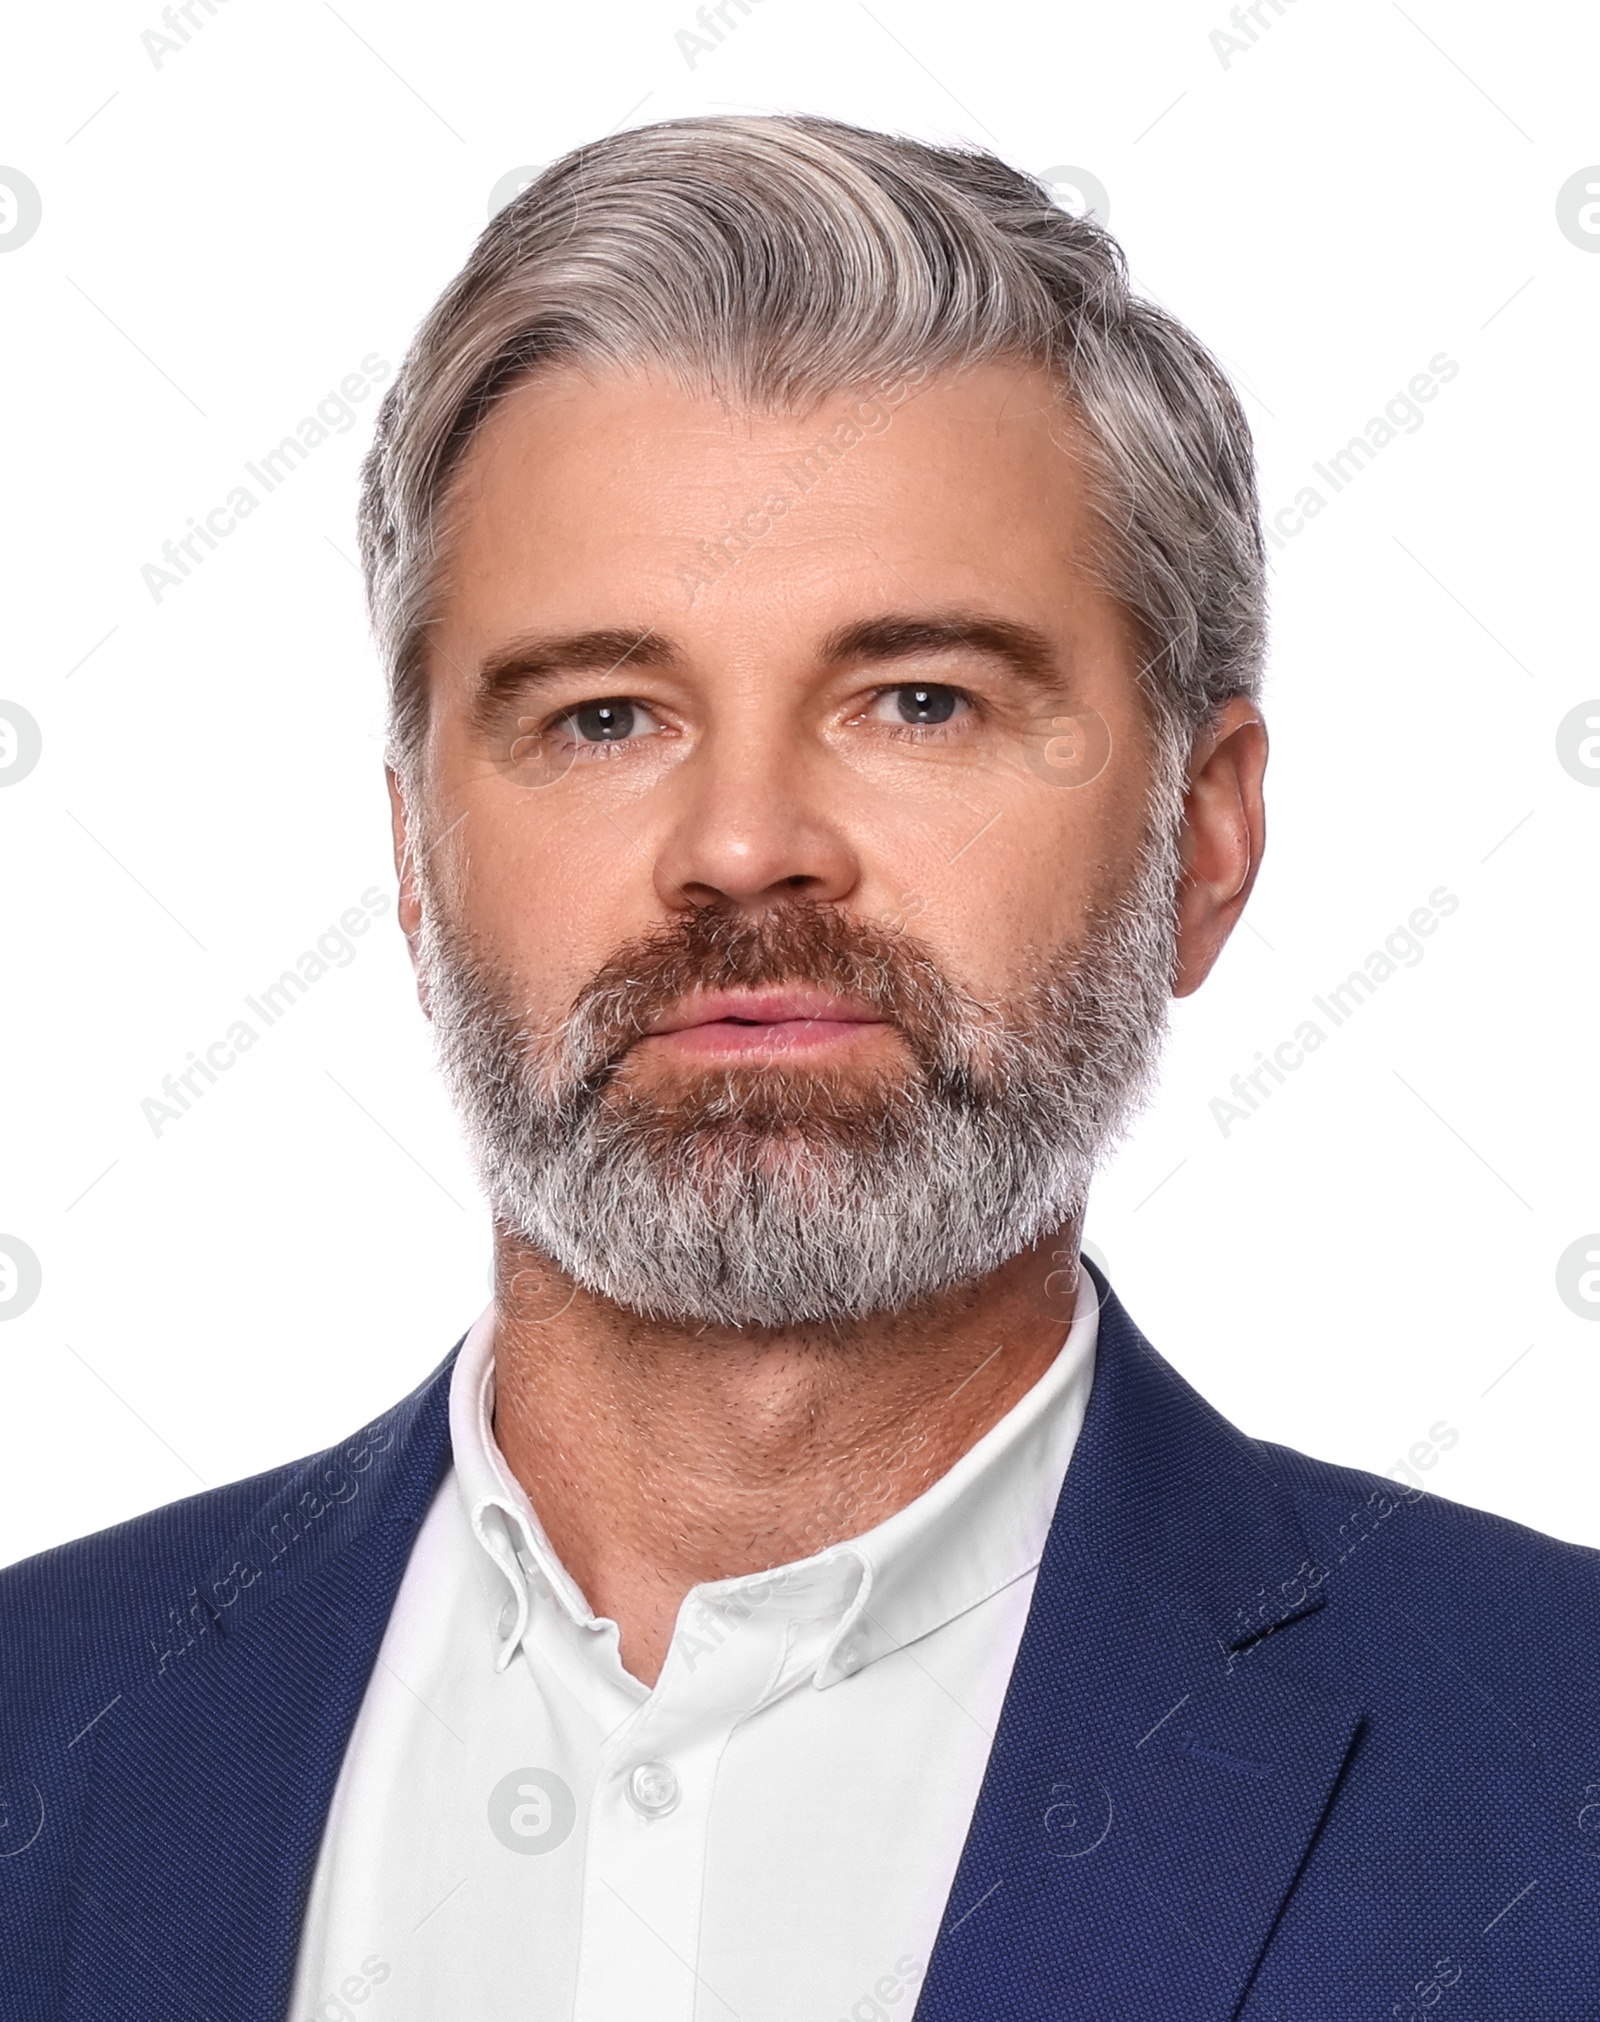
[
  {"x": 1023, "y": 650},
  {"x": 528, "y": 663}
]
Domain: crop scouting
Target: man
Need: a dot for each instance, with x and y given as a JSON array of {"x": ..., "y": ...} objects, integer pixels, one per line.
[{"x": 824, "y": 613}]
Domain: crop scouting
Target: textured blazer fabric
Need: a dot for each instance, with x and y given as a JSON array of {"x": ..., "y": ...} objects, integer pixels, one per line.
[{"x": 1282, "y": 1741}]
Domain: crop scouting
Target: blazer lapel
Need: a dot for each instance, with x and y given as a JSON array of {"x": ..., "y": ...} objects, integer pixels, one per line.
[
  {"x": 213, "y": 1776},
  {"x": 1165, "y": 1754},
  {"x": 1163, "y": 1760}
]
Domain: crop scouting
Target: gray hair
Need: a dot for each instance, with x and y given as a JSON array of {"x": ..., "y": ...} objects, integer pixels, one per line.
[{"x": 779, "y": 260}]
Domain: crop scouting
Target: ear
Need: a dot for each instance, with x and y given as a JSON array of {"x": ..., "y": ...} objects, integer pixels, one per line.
[
  {"x": 405, "y": 865},
  {"x": 1224, "y": 835}
]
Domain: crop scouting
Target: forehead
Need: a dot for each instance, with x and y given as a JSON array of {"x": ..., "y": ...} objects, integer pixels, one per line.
[{"x": 588, "y": 496}]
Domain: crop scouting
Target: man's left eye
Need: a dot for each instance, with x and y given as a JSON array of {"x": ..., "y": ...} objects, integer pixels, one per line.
[{"x": 920, "y": 702}]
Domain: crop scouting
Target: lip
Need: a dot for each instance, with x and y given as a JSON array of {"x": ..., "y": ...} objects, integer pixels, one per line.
[{"x": 746, "y": 1022}]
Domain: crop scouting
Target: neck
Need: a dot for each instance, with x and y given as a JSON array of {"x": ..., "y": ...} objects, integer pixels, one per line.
[{"x": 659, "y": 1456}]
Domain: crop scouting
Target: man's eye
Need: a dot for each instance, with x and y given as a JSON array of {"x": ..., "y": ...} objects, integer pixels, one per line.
[
  {"x": 920, "y": 702},
  {"x": 610, "y": 722}
]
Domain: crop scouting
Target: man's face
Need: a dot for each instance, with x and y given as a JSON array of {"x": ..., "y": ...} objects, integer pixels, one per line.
[
  {"x": 827, "y": 766},
  {"x": 759, "y": 766}
]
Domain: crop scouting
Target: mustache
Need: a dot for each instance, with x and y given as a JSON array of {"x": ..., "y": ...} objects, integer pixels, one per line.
[{"x": 795, "y": 942}]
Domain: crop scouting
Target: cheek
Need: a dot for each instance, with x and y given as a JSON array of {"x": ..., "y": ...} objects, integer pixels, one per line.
[
  {"x": 541, "y": 902},
  {"x": 1001, "y": 884}
]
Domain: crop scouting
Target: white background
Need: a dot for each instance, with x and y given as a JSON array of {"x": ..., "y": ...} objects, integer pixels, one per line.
[{"x": 226, "y": 234}]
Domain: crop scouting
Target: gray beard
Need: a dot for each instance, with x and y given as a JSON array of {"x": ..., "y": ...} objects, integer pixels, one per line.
[{"x": 791, "y": 1196}]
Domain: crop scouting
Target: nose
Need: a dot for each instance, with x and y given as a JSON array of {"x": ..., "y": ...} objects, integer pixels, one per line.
[{"x": 753, "y": 827}]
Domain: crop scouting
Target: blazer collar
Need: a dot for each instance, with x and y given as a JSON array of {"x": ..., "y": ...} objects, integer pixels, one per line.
[
  {"x": 213, "y": 1776},
  {"x": 1165, "y": 1753},
  {"x": 1162, "y": 1762}
]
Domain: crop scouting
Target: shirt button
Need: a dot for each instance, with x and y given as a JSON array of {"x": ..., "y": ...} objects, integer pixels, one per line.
[{"x": 653, "y": 1790}]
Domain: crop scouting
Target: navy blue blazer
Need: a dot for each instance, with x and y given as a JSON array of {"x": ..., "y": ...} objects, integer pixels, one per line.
[{"x": 1282, "y": 1741}]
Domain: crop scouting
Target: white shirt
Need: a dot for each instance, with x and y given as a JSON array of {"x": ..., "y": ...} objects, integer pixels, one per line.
[{"x": 522, "y": 1829}]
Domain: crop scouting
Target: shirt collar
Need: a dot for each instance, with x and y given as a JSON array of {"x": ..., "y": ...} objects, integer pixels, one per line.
[
  {"x": 496, "y": 1505},
  {"x": 980, "y": 1526}
]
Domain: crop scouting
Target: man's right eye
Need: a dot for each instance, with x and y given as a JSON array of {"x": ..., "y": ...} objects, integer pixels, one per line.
[{"x": 616, "y": 720}]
